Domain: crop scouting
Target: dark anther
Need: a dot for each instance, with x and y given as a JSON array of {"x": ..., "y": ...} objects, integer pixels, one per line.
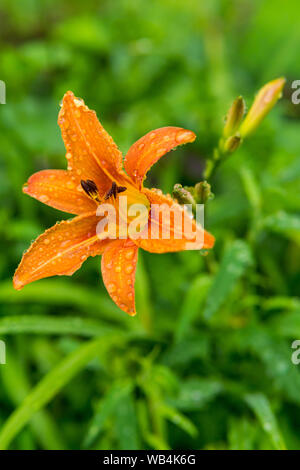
[
  {"x": 114, "y": 190},
  {"x": 90, "y": 188},
  {"x": 121, "y": 189}
]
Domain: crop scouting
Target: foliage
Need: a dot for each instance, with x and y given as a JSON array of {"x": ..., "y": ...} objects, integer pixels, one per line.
[{"x": 206, "y": 363}]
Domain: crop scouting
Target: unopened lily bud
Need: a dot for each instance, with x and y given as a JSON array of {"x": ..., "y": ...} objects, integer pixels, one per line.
[
  {"x": 203, "y": 192},
  {"x": 232, "y": 143},
  {"x": 264, "y": 101},
  {"x": 234, "y": 116},
  {"x": 183, "y": 196}
]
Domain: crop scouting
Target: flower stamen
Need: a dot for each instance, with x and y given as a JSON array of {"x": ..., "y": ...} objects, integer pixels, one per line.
[
  {"x": 114, "y": 191},
  {"x": 90, "y": 188}
]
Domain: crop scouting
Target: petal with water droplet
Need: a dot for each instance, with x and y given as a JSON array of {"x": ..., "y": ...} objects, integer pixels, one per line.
[
  {"x": 60, "y": 250},
  {"x": 167, "y": 228},
  {"x": 149, "y": 149},
  {"x": 90, "y": 149},
  {"x": 118, "y": 266},
  {"x": 59, "y": 189}
]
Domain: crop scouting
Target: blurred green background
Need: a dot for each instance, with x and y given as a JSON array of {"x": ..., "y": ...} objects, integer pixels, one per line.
[{"x": 206, "y": 363}]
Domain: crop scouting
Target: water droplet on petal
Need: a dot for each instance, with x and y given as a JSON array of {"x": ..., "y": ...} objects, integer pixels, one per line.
[
  {"x": 160, "y": 152},
  {"x": 46, "y": 241},
  {"x": 129, "y": 269},
  {"x": 183, "y": 136},
  {"x": 78, "y": 102},
  {"x": 111, "y": 288},
  {"x": 118, "y": 269},
  {"x": 44, "y": 198},
  {"x": 129, "y": 254}
]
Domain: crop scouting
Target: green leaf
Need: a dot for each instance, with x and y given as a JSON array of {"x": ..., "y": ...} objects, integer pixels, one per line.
[
  {"x": 126, "y": 426},
  {"x": 260, "y": 405},
  {"x": 191, "y": 305},
  {"x": 61, "y": 292},
  {"x": 283, "y": 222},
  {"x": 47, "y": 388},
  {"x": 178, "y": 419},
  {"x": 52, "y": 325},
  {"x": 242, "y": 434},
  {"x": 235, "y": 262},
  {"x": 287, "y": 324},
  {"x": 195, "y": 393},
  {"x": 105, "y": 409}
]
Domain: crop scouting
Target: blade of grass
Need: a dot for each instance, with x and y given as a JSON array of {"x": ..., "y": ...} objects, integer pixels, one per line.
[
  {"x": 191, "y": 305},
  {"x": 236, "y": 260},
  {"x": 260, "y": 405},
  {"x": 61, "y": 292},
  {"x": 48, "y": 387},
  {"x": 52, "y": 325},
  {"x": 16, "y": 383}
]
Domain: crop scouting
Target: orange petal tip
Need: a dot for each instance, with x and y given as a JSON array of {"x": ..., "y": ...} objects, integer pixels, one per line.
[
  {"x": 185, "y": 136},
  {"x": 17, "y": 283}
]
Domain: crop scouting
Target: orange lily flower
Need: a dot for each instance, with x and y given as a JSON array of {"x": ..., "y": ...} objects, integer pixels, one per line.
[{"x": 95, "y": 173}]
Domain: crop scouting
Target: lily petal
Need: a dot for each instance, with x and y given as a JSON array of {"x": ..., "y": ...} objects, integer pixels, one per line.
[
  {"x": 59, "y": 189},
  {"x": 176, "y": 241},
  {"x": 149, "y": 149},
  {"x": 60, "y": 250},
  {"x": 118, "y": 266},
  {"x": 91, "y": 152}
]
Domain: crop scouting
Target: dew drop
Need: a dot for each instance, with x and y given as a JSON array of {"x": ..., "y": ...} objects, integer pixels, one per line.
[
  {"x": 78, "y": 102},
  {"x": 46, "y": 241},
  {"x": 129, "y": 269},
  {"x": 70, "y": 184},
  {"x": 160, "y": 152},
  {"x": 118, "y": 269},
  {"x": 129, "y": 254},
  {"x": 111, "y": 287},
  {"x": 183, "y": 136},
  {"x": 141, "y": 146},
  {"x": 44, "y": 198}
]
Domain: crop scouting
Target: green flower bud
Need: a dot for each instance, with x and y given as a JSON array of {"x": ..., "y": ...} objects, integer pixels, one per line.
[
  {"x": 232, "y": 143},
  {"x": 264, "y": 101},
  {"x": 183, "y": 196},
  {"x": 203, "y": 192},
  {"x": 234, "y": 116}
]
